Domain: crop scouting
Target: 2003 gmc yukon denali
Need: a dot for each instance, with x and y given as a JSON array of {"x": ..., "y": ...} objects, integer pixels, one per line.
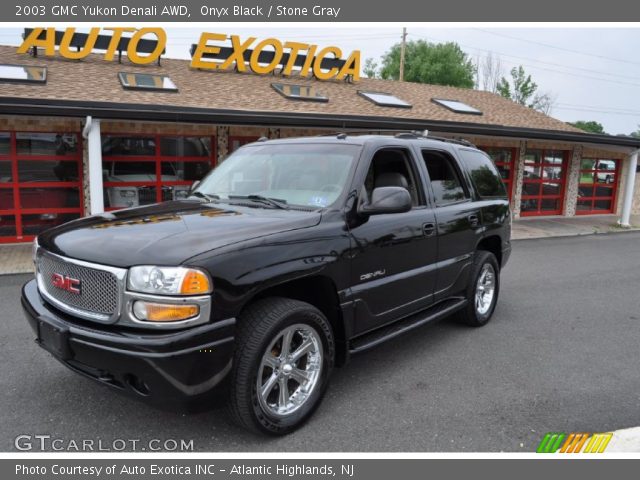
[{"x": 286, "y": 259}]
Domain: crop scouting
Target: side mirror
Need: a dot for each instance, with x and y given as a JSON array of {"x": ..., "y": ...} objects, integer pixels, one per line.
[
  {"x": 194, "y": 185},
  {"x": 387, "y": 200}
]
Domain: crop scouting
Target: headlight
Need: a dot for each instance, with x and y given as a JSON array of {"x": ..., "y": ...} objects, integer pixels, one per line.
[{"x": 169, "y": 280}]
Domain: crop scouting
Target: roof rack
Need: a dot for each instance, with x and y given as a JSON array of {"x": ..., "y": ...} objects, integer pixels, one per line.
[
  {"x": 344, "y": 134},
  {"x": 414, "y": 134},
  {"x": 426, "y": 136}
]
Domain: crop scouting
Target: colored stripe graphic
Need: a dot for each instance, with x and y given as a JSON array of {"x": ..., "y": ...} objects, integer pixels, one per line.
[
  {"x": 598, "y": 443},
  {"x": 574, "y": 442},
  {"x": 551, "y": 442}
]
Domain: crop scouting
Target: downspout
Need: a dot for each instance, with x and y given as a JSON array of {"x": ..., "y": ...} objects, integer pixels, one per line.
[
  {"x": 91, "y": 132},
  {"x": 627, "y": 202}
]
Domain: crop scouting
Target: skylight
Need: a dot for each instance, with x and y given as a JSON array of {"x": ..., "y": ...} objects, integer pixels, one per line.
[
  {"x": 146, "y": 81},
  {"x": 299, "y": 92},
  {"x": 23, "y": 73},
  {"x": 384, "y": 99},
  {"x": 456, "y": 106}
]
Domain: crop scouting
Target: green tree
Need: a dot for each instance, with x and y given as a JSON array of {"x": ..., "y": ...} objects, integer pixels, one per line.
[
  {"x": 590, "y": 126},
  {"x": 520, "y": 89},
  {"x": 434, "y": 63},
  {"x": 636, "y": 134},
  {"x": 523, "y": 90},
  {"x": 370, "y": 68}
]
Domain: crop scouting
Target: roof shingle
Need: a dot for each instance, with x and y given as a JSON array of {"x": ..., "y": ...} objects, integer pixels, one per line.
[{"x": 96, "y": 80}]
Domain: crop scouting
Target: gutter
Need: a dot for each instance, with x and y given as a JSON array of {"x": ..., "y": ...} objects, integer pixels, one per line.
[
  {"x": 87, "y": 127},
  {"x": 170, "y": 113}
]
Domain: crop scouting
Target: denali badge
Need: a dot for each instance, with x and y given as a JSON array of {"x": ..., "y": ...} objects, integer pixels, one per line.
[
  {"x": 369, "y": 276},
  {"x": 66, "y": 283}
]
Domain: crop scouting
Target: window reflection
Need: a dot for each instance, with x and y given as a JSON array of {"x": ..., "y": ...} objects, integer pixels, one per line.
[
  {"x": 52, "y": 144},
  {"x": 5, "y": 143}
]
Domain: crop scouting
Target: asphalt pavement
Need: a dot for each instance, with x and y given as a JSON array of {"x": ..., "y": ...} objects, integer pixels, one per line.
[{"x": 561, "y": 354}]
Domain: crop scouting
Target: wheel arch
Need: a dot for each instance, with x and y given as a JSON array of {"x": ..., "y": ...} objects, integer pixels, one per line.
[
  {"x": 493, "y": 244},
  {"x": 321, "y": 292}
]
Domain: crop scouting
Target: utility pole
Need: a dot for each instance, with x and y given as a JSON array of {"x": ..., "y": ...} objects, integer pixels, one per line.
[{"x": 404, "y": 42}]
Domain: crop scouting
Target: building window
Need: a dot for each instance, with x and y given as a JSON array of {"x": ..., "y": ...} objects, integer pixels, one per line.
[
  {"x": 146, "y": 81},
  {"x": 384, "y": 99},
  {"x": 543, "y": 182},
  {"x": 456, "y": 106},
  {"x": 235, "y": 141},
  {"x": 40, "y": 182},
  {"x": 299, "y": 92},
  {"x": 145, "y": 169},
  {"x": 598, "y": 186},
  {"x": 504, "y": 159},
  {"x": 22, "y": 74}
]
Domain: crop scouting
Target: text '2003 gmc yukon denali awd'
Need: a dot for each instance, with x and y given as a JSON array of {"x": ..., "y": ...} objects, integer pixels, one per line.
[{"x": 287, "y": 258}]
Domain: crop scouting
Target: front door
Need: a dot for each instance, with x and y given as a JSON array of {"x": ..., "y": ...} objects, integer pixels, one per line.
[{"x": 394, "y": 255}]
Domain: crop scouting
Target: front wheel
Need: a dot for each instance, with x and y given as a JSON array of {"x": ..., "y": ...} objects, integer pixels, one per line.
[
  {"x": 483, "y": 289},
  {"x": 283, "y": 360}
]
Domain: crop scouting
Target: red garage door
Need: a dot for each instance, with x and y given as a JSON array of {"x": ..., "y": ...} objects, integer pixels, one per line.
[
  {"x": 543, "y": 182},
  {"x": 598, "y": 186},
  {"x": 40, "y": 182},
  {"x": 145, "y": 169}
]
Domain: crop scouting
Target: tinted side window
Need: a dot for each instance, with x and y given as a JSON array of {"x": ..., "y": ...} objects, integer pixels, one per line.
[
  {"x": 392, "y": 167},
  {"x": 445, "y": 179},
  {"x": 484, "y": 175}
]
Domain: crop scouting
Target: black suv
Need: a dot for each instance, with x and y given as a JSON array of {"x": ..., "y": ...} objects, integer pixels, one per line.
[{"x": 286, "y": 259}]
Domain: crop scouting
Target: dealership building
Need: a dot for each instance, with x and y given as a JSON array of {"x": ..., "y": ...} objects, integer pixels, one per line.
[{"x": 79, "y": 137}]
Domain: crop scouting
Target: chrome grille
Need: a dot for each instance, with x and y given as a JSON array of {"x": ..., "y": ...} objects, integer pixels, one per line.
[
  {"x": 99, "y": 296},
  {"x": 146, "y": 195},
  {"x": 167, "y": 194}
]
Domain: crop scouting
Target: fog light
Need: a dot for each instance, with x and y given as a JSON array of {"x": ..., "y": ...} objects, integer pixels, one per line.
[{"x": 164, "y": 312}]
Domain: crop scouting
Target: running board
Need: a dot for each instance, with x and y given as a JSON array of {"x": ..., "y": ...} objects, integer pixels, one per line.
[{"x": 436, "y": 312}]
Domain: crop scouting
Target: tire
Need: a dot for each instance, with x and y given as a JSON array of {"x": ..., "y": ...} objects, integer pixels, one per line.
[
  {"x": 477, "y": 314},
  {"x": 260, "y": 363}
]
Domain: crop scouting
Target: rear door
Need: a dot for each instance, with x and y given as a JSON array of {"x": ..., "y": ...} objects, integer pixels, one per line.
[{"x": 457, "y": 219}]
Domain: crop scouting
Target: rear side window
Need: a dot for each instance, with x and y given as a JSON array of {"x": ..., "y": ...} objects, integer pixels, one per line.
[
  {"x": 484, "y": 175},
  {"x": 445, "y": 178}
]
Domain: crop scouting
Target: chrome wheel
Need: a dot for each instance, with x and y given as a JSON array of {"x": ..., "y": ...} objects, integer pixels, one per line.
[
  {"x": 289, "y": 371},
  {"x": 485, "y": 289}
]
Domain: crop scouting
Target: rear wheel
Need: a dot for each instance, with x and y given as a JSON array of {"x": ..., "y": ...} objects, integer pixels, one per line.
[
  {"x": 483, "y": 289},
  {"x": 283, "y": 360}
]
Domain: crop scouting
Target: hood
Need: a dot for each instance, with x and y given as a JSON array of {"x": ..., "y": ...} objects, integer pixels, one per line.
[{"x": 168, "y": 233}]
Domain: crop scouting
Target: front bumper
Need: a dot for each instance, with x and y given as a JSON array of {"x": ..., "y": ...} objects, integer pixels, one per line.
[{"x": 169, "y": 369}]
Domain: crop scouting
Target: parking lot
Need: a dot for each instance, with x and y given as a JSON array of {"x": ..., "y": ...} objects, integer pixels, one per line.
[{"x": 561, "y": 354}]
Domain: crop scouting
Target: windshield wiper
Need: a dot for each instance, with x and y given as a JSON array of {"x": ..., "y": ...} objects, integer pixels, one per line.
[
  {"x": 204, "y": 195},
  {"x": 274, "y": 202}
]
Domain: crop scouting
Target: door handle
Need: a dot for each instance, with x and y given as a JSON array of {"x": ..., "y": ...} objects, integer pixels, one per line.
[
  {"x": 473, "y": 220},
  {"x": 428, "y": 229}
]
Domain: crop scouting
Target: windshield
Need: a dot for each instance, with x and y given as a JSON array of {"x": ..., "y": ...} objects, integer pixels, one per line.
[{"x": 309, "y": 175}]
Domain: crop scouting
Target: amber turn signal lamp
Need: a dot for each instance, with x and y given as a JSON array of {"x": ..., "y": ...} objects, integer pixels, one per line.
[
  {"x": 163, "y": 312},
  {"x": 195, "y": 282}
]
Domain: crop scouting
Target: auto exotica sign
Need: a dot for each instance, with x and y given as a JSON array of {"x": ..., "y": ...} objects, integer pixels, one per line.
[{"x": 212, "y": 52}]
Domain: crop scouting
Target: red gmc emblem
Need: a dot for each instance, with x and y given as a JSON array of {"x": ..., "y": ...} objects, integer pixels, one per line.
[{"x": 67, "y": 283}]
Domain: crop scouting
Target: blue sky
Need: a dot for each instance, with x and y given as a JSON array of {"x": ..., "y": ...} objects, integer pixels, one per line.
[{"x": 593, "y": 73}]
